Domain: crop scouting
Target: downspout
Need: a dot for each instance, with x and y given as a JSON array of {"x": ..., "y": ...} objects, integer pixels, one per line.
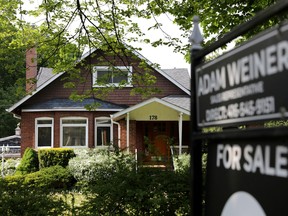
[
  {"x": 180, "y": 132},
  {"x": 127, "y": 131},
  {"x": 112, "y": 131},
  {"x": 119, "y": 130}
]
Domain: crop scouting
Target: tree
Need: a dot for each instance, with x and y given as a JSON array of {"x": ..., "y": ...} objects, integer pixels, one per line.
[
  {"x": 101, "y": 23},
  {"x": 112, "y": 25},
  {"x": 11, "y": 66},
  {"x": 65, "y": 28},
  {"x": 16, "y": 36}
]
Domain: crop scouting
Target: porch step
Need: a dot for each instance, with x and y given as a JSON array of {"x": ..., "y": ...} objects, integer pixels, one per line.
[{"x": 156, "y": 166}]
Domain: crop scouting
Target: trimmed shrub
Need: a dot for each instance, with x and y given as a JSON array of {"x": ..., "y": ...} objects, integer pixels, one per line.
[
  {"x": 55, "y": 156},
  {"x": 54, "y": 177},
  {"x": 14, "y": 182},
  {"x": 19, "y": 200},
  {"x": 91, "y": 164},
  {"x": 29, "y": 162}
]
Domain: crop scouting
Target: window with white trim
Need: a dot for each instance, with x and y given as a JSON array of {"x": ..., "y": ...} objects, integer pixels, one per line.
[
  {"x": 103, "y": 131},
  {"x": 43, "y": 132},
  {"x": 74, "y": 132},
  {"x": 116, "y": 76}
]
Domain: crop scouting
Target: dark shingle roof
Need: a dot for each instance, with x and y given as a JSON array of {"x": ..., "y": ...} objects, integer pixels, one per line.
[
  {"x": 43, "y": 75},
  {"x": 11, "y": 141},
  {"x": 181, "y": 101},
  {"x": 180, "y": 75},
  {"x": 65, "y": 104}
]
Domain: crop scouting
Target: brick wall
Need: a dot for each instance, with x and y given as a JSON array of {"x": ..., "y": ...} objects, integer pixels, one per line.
[{"x": 28, "y": 126}]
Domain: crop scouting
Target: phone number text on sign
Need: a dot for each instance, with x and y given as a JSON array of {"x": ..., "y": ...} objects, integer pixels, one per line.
[{"x": 248, "y": 108}]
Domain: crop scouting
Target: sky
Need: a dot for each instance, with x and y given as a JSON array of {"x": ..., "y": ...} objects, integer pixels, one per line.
[{"x": 162, "y": 55}]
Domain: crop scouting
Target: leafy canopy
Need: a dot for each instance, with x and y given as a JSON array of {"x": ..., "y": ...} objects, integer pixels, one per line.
[{"x": 63, "y": 29}]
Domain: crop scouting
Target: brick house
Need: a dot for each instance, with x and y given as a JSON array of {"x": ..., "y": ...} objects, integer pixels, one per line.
[{"x": 149, "y": 126}]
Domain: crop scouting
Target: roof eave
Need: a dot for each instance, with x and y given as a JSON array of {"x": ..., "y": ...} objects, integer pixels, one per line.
[
  {"x": 121, "y": 114},
  {"x": 12, "y": 108}
]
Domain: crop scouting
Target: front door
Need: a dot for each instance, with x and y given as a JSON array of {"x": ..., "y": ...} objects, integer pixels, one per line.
[{"x": 157, "y": 140}]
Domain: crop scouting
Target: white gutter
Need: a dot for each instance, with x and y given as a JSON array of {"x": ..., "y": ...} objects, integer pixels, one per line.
[
  {"x": 180, "y": 132},
  {"x": 119, "y": 130},
  {"x": 127, "y": 131}
]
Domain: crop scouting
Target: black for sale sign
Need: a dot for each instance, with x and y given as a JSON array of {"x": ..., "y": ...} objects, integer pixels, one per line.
[{"x": 247, "y": 178}]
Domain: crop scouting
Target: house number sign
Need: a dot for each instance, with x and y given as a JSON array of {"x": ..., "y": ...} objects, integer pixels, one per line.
[{"x": 153, "y": 117}]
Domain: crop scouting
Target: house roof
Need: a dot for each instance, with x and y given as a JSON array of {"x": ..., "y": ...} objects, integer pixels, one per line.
[
  {"x": 181, "y": 101},
  {"x": 43, "y": 85},
  {"x": 45, "y": 76},
  {"x": 65, "y": 104},
  {"x": 180, "y": 75},
  {"x": 14, "y": 140}
]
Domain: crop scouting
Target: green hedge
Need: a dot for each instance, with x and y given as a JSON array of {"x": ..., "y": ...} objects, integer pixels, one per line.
[
  {"x": 55, "y": 156},
  {"x": 29, "y": 162},
  {"x": 18, "y": 199},
  {"x": 54, "y": 177}
]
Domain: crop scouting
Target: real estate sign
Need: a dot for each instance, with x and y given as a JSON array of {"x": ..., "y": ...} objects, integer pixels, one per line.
[
  {"x": 246, "y": 84},
  {"x": 247, "y": 178}
]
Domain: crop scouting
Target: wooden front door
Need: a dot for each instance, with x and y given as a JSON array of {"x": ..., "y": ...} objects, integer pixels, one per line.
[{"x": 157, "y": 140}]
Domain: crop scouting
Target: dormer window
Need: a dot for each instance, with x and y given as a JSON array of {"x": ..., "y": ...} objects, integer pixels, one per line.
[{"x": 112, "y": 76}]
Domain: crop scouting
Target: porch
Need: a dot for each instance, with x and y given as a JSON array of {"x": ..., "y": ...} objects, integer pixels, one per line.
[{"x": 155, "y": 130}]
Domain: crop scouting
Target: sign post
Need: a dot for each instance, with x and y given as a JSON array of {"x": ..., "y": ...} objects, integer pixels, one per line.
[{"x": 196, "y": 145}]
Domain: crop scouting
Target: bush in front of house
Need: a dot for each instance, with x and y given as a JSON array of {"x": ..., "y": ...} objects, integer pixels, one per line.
[
  {"x": 182, "y": 162},
  {"x": 54, "y": 177},
  {"x": 91, "y": 164},
  {"x": 144, "y": 192},
  {"x": 19, "y": 200},
  {"x": 29, "y": 162},
  {"x": 114, "y": 187},
  {"x": 10, "y": 166},
  {"x": 55, "y": 156}
]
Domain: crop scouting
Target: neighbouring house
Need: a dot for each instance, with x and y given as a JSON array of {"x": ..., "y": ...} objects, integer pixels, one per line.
[
  {"x": 148, "y": 127},
  {"x": 12, "y": 143}
]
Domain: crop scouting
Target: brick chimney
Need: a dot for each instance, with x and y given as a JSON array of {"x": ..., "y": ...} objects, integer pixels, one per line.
[{"x": 31, "y": 69}]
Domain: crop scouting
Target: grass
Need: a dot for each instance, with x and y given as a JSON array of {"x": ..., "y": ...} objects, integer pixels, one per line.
[{"x": 74, "y": 200}]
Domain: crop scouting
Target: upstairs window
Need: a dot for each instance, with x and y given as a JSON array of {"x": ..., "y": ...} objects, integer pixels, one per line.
[
  {"x": 74, "y": 132},
  {"x": 44, "y": 132},
  {"x": 112, "y": 76}
]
